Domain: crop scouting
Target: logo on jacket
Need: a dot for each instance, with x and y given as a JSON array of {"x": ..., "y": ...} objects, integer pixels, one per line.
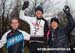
[{"x": 14, "y": 40}]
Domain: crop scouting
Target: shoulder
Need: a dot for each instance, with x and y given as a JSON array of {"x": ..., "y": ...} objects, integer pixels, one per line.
[
  {"x": 23, "y": 32},
  {"x": 7, "y": 32},
  {"x": 61, "y": 30},
  {"x": 44, "y": 19}
]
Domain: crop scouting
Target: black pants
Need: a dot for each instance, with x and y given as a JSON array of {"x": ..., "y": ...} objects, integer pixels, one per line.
[
  {"x": 33, "y": 47},
  {"x": 16, "y": 49},
  {"x": 0, "y": 50}
]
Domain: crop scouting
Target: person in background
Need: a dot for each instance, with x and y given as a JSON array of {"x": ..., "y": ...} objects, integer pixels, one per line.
[
  {"x": 58, "y": 37},
  {"x": 14, "y": 38},
  {"x": 38, "y": 28}
]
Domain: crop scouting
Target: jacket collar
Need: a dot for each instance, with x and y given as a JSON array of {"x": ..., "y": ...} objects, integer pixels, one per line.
[
  {"x": 55, "y": 29},
  {"x": 39, "y": 18},
  {"x": 14, "y": 30}
]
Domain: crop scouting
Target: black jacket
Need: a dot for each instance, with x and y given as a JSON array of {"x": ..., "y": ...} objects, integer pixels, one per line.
[{"x": 59, "y": 38}]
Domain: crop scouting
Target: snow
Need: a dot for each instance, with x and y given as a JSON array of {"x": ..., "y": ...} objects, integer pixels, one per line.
[{"x": 51, "y": 7}]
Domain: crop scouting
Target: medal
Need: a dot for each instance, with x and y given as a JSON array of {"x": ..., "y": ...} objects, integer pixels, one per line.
[{"x": 37, "y": 26}]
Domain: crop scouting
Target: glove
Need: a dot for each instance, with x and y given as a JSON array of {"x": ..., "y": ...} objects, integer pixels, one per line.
[
  {"x": 25, "y": 5},
  {"x": 66, "y": 10}
]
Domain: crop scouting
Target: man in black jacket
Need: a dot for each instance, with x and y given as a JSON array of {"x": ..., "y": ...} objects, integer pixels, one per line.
[{"x": 59, "y": 36}]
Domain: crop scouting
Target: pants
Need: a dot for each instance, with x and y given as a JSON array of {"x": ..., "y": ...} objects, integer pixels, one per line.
[
  {"x": 16, "y": 49},
  {"x": 34, "y": 46}
]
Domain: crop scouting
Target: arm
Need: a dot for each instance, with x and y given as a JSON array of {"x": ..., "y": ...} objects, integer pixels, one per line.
[
  {"x": 71, "y": 23},
  {"x": 22, "y": 14},
  {"x": 23, "y": 17},
  {"x": 3, "y": 40},
  {"x": 46, "y": 28},
  {"x": 26, "y": 38},
  {"x": 26, "y": 35}
]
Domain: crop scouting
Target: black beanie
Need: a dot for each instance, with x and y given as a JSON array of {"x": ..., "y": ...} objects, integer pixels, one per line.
[
  {"x": 54, "y": 19},
  {"x": 39, "y": 8}
]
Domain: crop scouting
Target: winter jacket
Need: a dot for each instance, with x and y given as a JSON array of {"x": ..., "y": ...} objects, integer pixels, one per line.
[
  {"x": 59, "y": 38},
  {"x": 38, "y": 27},
  {"x": 14, "y": 41}
]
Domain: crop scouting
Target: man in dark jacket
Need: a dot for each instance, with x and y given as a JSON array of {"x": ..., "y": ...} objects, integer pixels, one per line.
[{"x": 59, "y": 36}]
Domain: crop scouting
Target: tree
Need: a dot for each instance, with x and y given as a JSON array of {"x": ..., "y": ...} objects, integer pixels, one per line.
[{"x": 6, "y": 9}]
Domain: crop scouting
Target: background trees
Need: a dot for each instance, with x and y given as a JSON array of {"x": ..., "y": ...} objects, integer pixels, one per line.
[{"x": 52, "y": 8}]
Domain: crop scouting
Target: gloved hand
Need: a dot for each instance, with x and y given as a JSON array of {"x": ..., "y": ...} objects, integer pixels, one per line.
[
  {"x": 25, "y": 5},
  {"x": 66, "y": 10}
]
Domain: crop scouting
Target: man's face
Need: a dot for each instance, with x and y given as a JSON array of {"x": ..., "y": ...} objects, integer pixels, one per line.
[
  {"x": 38, "y": 14},
  {"x": 14, "y": 24},
  {"x": 54, "y": 25}
]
